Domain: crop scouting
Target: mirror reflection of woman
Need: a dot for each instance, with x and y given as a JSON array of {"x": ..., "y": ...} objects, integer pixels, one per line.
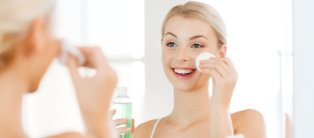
[{"x": 187, "y": 31}]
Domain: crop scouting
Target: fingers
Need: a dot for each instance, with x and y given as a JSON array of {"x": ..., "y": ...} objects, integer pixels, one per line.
[
  {"x": 112, "y": 112},
  {"x": 218, "y": 64},
  {"x": 119, "y": 122},
  {"x": 72, "y": 64},
  {"x": 218, "y": 67},
  {"x": 221, "y": 69},
  {"x": 124, "y": 130},
  {"x": 123, "y": 121},
  {"x": 213, "y": 72},
  {"x": 94, "y": 57},
  {"x": 133, "y": 125},
  {"x": 231, "y": 65}
]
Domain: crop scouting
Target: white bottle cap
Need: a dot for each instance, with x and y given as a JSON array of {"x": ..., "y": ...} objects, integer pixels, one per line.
[
  {"x": 202, "y": 56},
  {"x": 122, "y": 91}
]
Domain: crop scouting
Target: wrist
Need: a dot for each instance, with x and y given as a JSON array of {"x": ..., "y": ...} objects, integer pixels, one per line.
[
  {"x": 220, "y": 100},
  {"x": 97, "y": 126},
  {"x": 220, "y": 106},
  {"x": 98, "y": 129}
]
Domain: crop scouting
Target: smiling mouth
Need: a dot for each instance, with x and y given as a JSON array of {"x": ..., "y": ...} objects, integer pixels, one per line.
[{"x": 183, "y": 73}]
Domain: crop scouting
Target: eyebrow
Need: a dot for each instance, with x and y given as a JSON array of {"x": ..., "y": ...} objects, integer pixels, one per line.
[
  {"x": 191, "y": 38},
  {"x": 169, "y": 33},
  {"x": 198, "y": 36}
]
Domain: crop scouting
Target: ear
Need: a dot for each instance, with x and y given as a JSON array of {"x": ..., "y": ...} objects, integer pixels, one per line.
[
  {"x": 223, "y": 51},
  {"x": 35, "y": 37}
]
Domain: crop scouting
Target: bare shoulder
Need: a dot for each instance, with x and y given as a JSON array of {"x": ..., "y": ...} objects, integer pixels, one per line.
[
  {"x": 250, "y": 123},
  {"x": 144, "y": 130}
]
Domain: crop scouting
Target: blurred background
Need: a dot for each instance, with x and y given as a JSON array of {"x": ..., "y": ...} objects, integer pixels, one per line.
[{"x": 259, "y": 43}]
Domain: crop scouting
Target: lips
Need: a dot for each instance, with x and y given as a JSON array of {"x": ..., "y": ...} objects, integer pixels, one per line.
[{"x": 183, "y": 72}]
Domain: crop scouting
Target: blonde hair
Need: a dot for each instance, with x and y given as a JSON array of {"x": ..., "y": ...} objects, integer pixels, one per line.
[
  {"x": 202, "y": 12},
  {"x": 15, "y": 19}
]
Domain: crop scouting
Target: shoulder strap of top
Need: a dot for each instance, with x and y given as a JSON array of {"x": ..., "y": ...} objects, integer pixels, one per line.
[{"x": 154, "y": 128}]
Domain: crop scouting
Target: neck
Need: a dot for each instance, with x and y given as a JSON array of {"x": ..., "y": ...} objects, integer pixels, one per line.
[
  {"x": 190, "y": 107},
  {"x": 12, "y": 88}
]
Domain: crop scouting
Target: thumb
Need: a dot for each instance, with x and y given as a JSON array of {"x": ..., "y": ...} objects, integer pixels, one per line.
[
  {"x": 73, "y": 68},
  {"x": 133, "y": 125},
  {"x": 112, "y": 112}
]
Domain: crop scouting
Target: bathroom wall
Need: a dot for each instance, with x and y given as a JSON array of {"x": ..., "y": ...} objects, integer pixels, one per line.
[{"x": 303, "y": 68}]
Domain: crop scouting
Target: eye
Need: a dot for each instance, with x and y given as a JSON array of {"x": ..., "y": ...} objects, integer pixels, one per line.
[
  {"x": 197, "y": 46},
  {"x": 171, "y": 44}
]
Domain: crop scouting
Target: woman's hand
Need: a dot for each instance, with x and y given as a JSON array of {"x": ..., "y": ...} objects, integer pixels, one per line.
[
  {"x": 122, "y": 121},
  {"x": 94, "y": 94},
  {"x": 224, "y": 79}
]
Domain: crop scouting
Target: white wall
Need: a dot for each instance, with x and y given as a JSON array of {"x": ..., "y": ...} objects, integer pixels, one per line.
[{"x": 303, "y": 60}]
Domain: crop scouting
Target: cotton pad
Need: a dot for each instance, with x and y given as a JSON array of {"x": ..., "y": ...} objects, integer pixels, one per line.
[
  {"x": 66, "y": 49},
  {"x": 202, "y": 56}
]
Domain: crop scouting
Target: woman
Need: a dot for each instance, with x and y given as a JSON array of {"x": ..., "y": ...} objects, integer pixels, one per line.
[
  {"x": 187, "y": 31},
  {"x": 27, "y": 47}
]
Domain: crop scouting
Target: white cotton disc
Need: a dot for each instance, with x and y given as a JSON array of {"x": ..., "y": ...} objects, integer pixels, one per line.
[
  {"x": 66, "y": 49},
  {"x": 202, "y": 56}
]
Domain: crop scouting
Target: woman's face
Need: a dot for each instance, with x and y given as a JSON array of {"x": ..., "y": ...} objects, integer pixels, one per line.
[{"x": 183, "y": 40}]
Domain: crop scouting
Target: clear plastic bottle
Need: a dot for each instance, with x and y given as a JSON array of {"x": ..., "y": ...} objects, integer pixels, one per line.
[{"x": 123, "y": 105}]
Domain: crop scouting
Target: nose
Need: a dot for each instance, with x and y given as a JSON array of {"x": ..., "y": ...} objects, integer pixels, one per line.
[{"x": 183, "y": 55}]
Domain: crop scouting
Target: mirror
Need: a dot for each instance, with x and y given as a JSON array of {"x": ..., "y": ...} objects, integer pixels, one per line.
[{"x": 259, "y": 34}]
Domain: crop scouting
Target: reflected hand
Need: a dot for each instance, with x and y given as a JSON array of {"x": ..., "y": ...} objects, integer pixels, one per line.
[
  {"x": 224, "y": 79},
  {"x": 122, "y": 121}
]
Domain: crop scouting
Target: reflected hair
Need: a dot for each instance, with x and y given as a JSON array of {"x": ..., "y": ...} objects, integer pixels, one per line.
[{"x": 202, "y": 12}]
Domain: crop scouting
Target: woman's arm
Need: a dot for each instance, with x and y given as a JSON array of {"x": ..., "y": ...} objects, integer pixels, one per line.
[
  {"x": 250, "y": 123},
  {"x": 224, "y": 80},
  {"x": 94, "y": 93},
  {"x": 221, "y": 124}
]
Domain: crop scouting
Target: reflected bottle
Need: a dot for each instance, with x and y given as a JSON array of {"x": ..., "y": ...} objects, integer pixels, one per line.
[{"x": 123, "y": 105}]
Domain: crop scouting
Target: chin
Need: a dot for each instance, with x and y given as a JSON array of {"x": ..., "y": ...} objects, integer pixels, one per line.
[
  {"x": 189, "y": 86},
  {"x": 184, "y": 87},
  {"x": 33, "y": 88}
]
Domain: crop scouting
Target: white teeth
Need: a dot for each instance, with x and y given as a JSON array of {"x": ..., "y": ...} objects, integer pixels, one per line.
[{"x": 183, "y": 71}]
